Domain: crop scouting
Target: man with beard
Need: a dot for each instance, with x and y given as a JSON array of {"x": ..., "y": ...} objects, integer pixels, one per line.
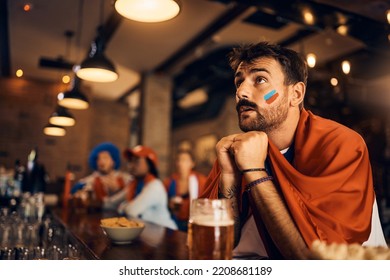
[
  {"x": 292, "y": 177},
  {"x": 106, "y": 187}
]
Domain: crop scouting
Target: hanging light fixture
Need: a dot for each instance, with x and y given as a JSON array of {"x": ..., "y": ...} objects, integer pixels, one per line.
[
  {"x": 148, "y": 10},
  {"x": 62, "y": 117},
  {"x": 74, "y": 98},
  {"x": 54, "y": 130},
  {"x": 97, "y": 67}
]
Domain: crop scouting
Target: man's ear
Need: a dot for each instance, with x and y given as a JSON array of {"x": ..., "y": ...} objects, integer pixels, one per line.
[{"x": 298, "y": 94}]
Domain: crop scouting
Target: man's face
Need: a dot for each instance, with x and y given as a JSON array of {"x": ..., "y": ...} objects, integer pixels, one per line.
[
  {"x": 262, "y": 101},
  {"x": 105, "y": 163}
]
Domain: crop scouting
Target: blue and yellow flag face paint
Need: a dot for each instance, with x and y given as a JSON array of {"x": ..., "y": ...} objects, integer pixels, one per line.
[{"x": 271, "y": 96}]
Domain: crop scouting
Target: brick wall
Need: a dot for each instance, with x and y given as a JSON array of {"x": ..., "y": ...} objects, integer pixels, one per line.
[{"x": 25, "y": 107}]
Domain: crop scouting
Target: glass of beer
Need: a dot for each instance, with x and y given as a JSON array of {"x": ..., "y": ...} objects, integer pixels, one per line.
[{"x": 210, "y": 230}]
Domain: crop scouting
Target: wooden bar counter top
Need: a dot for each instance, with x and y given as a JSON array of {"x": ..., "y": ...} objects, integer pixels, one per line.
[{"x": 154, "y": 243}]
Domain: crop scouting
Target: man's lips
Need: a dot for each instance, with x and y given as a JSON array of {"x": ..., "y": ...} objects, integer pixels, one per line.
[{"x": 243, "y": 109}]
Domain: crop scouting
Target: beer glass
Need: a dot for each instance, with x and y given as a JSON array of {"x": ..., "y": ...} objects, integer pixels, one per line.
[{"x": 210, "y": 230}]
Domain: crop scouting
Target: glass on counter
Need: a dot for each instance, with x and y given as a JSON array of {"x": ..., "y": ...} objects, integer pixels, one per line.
[
  {"x": 30, "y": 232},
  {"x": 211, "y": 230}
]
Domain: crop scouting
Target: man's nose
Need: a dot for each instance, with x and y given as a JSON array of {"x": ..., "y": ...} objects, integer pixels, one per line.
[{"x": 243, "y": 91}]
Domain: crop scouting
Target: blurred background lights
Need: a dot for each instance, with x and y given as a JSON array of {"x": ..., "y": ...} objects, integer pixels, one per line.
[
  {"x": 388, "y": 16},
  {"x": 346, "y": 66},
  {"x": 19, "y": 73},
  {"x": 334, "y": 82},
  {"x": 60, "y": 96},
  {"x": 311, "y": 60},
  {"x": 308, "y": 17},
  {"x": 342, "y": 30},
  {"x": 66, "y": 79},
  {"x": 27, "y": 7}
]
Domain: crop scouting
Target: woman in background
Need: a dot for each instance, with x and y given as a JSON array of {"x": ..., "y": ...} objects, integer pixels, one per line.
[
  {"x": 146, "y": 196},
  {"x": 183, "y": 186}
]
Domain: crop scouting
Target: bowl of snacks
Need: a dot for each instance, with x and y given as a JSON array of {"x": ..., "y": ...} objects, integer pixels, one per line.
[{"x": 121, "y": 230}]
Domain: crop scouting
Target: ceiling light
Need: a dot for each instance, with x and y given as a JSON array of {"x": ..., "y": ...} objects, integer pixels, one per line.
[
  {"x": 334, "y": 82},
  {"x": 308, "y": 17},
  {"x": 66, "y": 79},
  {"x": 19, "y": 73},
  {"x": 62, "y": 117},
  {"x": 311, "y": 60},
  {"x": 97, "y": 67},
  {"x": 342, "y": 30},
  {"x": 148, "y": 10},
  {"x": 346, "y": 66},
  {"x": 388, "y": 16},
  {"x": 27, "y": 7},
  {"x": 54, "y": 130},
  {"x": 73, "y": 99}
]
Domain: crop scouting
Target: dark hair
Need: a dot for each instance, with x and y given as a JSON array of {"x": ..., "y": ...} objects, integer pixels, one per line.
[
  {"x": 293, "y": 65},
  {"x": 186, "y": 152},
  {"x": 152, "y": 167}
]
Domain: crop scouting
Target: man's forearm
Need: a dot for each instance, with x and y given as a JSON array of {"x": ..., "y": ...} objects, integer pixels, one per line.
[
  {"x": 228, "y": 189},
  {"x": 268, "y": 205}
]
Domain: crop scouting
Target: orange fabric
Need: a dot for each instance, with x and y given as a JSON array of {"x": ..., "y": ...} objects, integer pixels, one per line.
[
  {"x": 99, "y": 189},
  {"x": 328, "y": 189},
  {"x": 184, "y": 211},
  {"x": 133, "y": 186},
  {"x": 67, "y": 187}
]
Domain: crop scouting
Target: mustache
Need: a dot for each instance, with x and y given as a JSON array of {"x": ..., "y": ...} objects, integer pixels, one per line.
[{"x": 245, "y": 102}]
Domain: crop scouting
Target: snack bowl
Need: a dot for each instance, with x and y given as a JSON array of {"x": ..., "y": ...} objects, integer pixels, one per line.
[{"x": 123, "y": 234}]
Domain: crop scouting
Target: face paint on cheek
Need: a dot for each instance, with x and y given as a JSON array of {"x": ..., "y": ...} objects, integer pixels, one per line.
[{"x": 271, "y": 96}]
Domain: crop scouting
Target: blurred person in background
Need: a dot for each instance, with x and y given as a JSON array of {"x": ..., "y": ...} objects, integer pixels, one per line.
[
  {"x": 106, "y": 187},
  {"x": 34, "y": 178},
  {"x": 183, "y": 186},
  {"x": 146, "y": 195}
]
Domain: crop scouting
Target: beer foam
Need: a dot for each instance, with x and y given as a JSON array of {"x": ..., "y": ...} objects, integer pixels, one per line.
[{"x": 211, "y": 222}]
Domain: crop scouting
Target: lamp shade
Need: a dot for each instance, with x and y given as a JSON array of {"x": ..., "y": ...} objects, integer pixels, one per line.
[
  {"x": 74, "y": 98},
  {"x": 97, "y": 67},
  {"x": 54, "y": 130},
  {"x": 62, "y": 117},
  {"x": 148, "y": 10}
]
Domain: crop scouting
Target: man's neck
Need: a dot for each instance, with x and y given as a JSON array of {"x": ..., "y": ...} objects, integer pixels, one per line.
[{"x": 283, "y": 136}]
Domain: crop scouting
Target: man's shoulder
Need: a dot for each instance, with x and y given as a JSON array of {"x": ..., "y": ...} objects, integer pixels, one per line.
[
  {"x": 330, "y": 127},
  {"x": 335, "y": 132}
]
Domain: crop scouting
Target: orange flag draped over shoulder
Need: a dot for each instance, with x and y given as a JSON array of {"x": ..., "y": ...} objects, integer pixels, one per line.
[{"x": 328, "y": 189}]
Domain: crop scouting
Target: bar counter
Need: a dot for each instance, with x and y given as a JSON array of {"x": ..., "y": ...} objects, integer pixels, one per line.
[{"x": 154, "y": 243}]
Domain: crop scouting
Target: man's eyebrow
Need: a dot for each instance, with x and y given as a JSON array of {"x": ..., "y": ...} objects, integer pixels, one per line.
[{"x": 253, "y": 70}]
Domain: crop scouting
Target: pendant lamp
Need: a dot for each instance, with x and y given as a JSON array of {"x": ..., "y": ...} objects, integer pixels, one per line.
[
  {"x": 97, "y": 67},
  {"x": 54, "y": 130},
  {"x": 62, "y": 117},
  {"x": 148, "y": 10},
  {"x": 74, "y": 98}
]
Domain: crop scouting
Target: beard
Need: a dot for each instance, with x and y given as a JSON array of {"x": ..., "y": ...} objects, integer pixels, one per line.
[{"x": 266, "y": 121}]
